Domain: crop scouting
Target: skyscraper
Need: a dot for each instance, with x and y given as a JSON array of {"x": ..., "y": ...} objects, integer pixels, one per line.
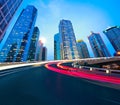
[
  {"x": 38, "y": 56},
  {"x": 19, "y": 38},
  {"x": 113, "y": 34},
  {"x": 57, "y": 49},
  {"x": 68, "y": 40},
  {"x": 7, "y": 10},
  {"x": 33, "y": 45},
  {"x": 98, "y": 46},
  {"x": 82, "y": 49},
  {"x": 44, "y": 54}
]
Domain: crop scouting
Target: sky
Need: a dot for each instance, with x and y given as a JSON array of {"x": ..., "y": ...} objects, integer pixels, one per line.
[{"x": 85, "y": 15}]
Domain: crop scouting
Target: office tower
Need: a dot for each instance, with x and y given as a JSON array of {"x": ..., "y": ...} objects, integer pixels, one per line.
[
  {"x": 38, "y": 56},
  {"x": 19, "y": 38},
  {"x": 82, "y": 49},
  {"x": 44, "y": 54},
  {"x": 113, "y": 34},
  {"x": 7, "y": 11},
  {"x": 69, "y": 47},
  {"x": 57, "y": 48},
  {"x": 33, "y": 45},
  {"x": 98, "y": 46}
]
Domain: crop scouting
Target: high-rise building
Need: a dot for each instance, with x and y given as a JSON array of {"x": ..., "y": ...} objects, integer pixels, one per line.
[
  {"x": 44, "y": 54},
  {"x": 38, "y": 56},
  {"x": 57, "y": 48},
  {"x": 33, "y": 45},
  {"x": 113, "y": 34},
  {"x": 68, "y": 40},
  {"x": 19, "y": 39},
  {"x": 7, "y": 10},
  {"x": 98, "y": 46},
  {"x": 82, "y": 49}
]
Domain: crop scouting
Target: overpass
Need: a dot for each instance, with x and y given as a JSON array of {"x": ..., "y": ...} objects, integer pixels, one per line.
[
  {"x": 45, "y": 83},
  {"x": 101, "y": 60}
]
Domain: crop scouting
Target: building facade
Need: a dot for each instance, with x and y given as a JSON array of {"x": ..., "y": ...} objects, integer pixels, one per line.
[
  {"x": 44, "y": 54},
  {"x": 68, "y": 40},
  {"x": 57, "y": 48},
  {"x": 19, "y": 38},
  {"x": 33, "y": 45},
  {"x": 7, "y": 11},
  {"x": 82, "y": 49},
  {"x": 113, "y": 34},
  {"x": 98, "y": 46},
  {"x": 38, "y": 56}
]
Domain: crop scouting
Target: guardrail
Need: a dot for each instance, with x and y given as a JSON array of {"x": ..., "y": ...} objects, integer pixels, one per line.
[
  {"x": 15, "y": 65},
  {"x": 10, "y": 65},
  {"x": 97, "y": 69}
]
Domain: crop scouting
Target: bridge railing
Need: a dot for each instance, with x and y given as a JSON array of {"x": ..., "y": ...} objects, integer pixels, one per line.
[
  {"x": 94, "y": 69},
  {"x": 10, "y": 65}
]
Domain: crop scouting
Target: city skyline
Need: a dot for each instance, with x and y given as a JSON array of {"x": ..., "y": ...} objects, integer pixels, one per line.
[{"x": 50, "y": 13}]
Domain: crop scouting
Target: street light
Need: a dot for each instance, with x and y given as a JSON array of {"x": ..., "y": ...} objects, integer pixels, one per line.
[
  {"x": 107, "y": 71},
  {"x": 91, "y": 69}
]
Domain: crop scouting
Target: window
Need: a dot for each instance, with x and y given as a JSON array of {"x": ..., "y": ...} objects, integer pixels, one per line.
[
  {"x": 1, "y": 3},
  {"x": 5, "y": 10},
  {"x": 3, "y": 25},
  {"x": 1, "y": 18}
]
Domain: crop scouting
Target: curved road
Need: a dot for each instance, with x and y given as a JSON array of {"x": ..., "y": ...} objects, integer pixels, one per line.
[{"x": 36, "y": 85}]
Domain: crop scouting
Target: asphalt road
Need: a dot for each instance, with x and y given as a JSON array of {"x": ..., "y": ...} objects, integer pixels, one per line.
[{"x": 39, "y": 86}]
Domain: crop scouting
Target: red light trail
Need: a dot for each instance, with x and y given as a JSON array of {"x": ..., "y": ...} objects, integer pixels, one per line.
[{"x": 82, "y": 74}]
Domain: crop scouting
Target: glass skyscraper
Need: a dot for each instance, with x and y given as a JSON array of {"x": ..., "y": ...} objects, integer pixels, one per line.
[
  {"x": 44, "y": 54},
  {"x": 113, "y": 34},
  {"x": 57, "y": 49},
  {"x": 33, "y": 45},
  {"x": 7, "y": 10},
  {"x": 98, "y": 46},
  {"x": 69, "y": 47},
  {"x": 18, "y": 42},
  {"x": 38, "y": 56},
  {"x": 82, "y": 49}
]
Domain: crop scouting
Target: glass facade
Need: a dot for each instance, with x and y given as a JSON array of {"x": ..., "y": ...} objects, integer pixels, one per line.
[
  {"x": 68, "y": 46},
  {"x": 38, "y": 56},
  {"x": 33, "y": 45},
  {"x": 113, "y": 34},
  {"x": 44, "y": 54},
  {"x": 82, "y": 49},
  {"x": 57, "y": 49},
  {"x": 98, "y": 46},
  {"x": 7, "y": 10},
  {"x": 19, "y": 38}
]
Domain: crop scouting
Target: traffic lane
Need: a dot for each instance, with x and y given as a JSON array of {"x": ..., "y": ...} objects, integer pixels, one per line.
[
  {"x": 102, "y": 82},
  {"x": 28, "y": 87},
  {"x": 13, "y": 70},
  {"x": 82, "y": 73},
  {"x": 39, "y": 86}
]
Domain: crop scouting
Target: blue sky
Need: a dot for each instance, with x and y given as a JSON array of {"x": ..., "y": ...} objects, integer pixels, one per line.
[{"x": 85, "y": 15}]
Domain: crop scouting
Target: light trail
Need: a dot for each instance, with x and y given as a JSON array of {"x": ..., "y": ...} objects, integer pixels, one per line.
[{"x": 82, "y": 74}]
